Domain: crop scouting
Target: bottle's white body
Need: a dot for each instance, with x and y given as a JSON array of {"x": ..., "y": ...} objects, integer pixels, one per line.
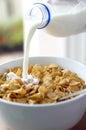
[{"x": 67, "y": 20}]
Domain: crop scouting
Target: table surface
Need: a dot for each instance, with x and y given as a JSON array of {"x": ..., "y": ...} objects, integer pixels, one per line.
[{"x": 80, "y": 126}]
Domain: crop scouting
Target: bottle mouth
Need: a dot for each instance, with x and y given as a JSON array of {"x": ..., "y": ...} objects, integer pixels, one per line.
[{"x": 42, "y": 12}]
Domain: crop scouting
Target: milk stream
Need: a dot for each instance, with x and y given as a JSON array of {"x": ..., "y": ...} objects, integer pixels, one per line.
[{"x": 31, "y": 30}]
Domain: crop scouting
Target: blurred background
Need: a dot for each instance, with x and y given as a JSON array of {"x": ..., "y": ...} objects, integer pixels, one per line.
[
  {"x": 11, "y": 25},
  {"x": 13, "y": 29}
]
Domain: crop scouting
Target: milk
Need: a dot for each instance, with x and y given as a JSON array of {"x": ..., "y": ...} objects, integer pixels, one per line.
[{"x": 28, "y": 81}]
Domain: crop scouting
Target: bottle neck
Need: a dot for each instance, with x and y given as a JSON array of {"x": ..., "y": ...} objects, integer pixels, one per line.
[{"x": 41, "y": 11}]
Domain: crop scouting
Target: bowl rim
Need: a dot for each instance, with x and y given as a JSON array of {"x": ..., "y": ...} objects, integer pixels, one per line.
[
  {"x": 49, "y": 104},
  {"x": 61, "y": 103}
]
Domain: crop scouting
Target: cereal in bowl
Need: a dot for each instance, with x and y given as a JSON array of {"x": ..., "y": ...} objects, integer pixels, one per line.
[{"x": 45, "y": 84}]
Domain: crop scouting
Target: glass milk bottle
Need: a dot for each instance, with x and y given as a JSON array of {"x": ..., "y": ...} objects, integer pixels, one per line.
[
  {"x": 60, "y": 18},
  {"x": 67, "y": 17}
]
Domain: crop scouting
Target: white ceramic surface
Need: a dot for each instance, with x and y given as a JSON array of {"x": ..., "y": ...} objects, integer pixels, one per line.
[{"x": 59, "y": 116}]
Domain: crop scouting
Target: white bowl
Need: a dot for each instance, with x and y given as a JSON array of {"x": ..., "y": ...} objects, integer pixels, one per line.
[{"x": 59, "y": 116}]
